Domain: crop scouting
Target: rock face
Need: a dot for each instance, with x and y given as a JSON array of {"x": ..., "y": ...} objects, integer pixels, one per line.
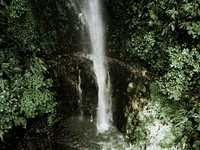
[
  {"x": 66, "y": 70},
  {"x": 128, "y": 82},
  {"x": 130, "y": 86}
]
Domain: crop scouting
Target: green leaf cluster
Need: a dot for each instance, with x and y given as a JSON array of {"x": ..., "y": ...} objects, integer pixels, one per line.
[
  {"x": 146, "y": 29},
  {"x": 180, "y": 78},
  {"x": 24, "y": 93},
  {"x": 25, "y": 90},
  {"x": 36, "y": 98},
  {"x": 22, "y": 26}
]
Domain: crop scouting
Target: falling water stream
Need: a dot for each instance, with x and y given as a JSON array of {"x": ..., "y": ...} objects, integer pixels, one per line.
[
  {"x": 80, "y": 101},
  {"x": 92, "y": 13},
  {"x": 105, "y": 135}
]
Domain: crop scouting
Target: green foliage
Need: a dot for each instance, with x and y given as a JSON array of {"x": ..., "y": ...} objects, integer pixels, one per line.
[
  {"x": 146, "y": 29},
  {"x": 22, "y": 26},
  {"x": 24, "y": 94},
  {"x": 57, "y": 25},
  {"x": 11, "y": 87},
  {"x": 185, "y": 123},
  {"x": 24, "y": 89},
  {"x": 184, "y": 65},
  {"x": 36, "y": 98}
]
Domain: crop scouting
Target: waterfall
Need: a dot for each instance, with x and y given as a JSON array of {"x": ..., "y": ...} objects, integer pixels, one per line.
[
  {"x": 93, "y": 20},
  {"x": 80, "y": 101}
]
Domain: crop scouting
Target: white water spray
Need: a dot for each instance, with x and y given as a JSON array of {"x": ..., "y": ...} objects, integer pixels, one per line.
[{"x": 91, "y": 11}]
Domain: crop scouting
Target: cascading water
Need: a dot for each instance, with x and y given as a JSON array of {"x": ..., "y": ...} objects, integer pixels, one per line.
[
  {"x": 80, "y": 101},
  {"x": 92, "y": 13}
]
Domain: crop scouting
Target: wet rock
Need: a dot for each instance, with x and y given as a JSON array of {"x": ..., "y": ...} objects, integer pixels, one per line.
[
  {"x": 128, "y": 82},
  {"x": 66, "y": 70}
]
